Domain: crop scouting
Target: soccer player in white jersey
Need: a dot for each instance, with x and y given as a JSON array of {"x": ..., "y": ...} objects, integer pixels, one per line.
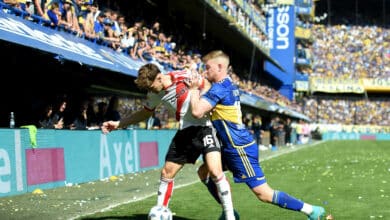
[
  {"x": 195, "y": 136},
  {"x": 239, "y": 150}
]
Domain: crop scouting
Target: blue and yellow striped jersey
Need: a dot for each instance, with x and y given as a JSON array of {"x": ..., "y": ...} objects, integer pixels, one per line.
[{"x": 226, "y": 115}]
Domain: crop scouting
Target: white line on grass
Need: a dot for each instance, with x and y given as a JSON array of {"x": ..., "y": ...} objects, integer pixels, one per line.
[{"x": 289, "y": 150}]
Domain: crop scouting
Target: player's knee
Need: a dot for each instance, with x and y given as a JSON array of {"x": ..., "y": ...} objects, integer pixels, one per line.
[
  {"x": 170, "y": 170},
  {"x": 168, "y": 173}
]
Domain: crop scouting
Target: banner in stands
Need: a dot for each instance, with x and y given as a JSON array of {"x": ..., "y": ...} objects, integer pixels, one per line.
[
  {"x": 301, "y": 86},
  {"x": 304, "y": 3},
  {"x": 281, "y": 33},
  {"x": 305, "y": 7},
  {"x": 336, "y": 85},
  {"x": 377, "y": 84},
  {"x": 285, "y": 2},
  {"x": 303, "y": 33},
  {"x": 64, "y": 45}
]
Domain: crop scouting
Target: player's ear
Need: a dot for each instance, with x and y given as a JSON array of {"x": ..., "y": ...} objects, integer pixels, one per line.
[{"x": 219, "y": 67}]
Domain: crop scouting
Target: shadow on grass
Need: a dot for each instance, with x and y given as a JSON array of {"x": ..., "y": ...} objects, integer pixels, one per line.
[{"x": 132, "y": 217}]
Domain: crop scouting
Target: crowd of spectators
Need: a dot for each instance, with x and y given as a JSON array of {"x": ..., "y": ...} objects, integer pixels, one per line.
[
  {"x": 89, "y": 113},
  {"x": 348, "y": 111},
  {"x": 253, "y": 24},
  {"x": 128, "y": 105},
  {"x": 338, "y": 51},
  {"x": 141, "y": 41},
  {"x": 265, "y": 92},
  {"x": 351, "y": 52}
]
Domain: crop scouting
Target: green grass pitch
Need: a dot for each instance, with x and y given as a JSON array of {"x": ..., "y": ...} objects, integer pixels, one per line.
[{"x": 350, "y": 179}]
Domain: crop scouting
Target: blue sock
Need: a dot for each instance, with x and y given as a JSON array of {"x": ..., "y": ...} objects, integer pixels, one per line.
[
  {"x": 286, "y": 201},
  {"x": 212, "y": 189}
]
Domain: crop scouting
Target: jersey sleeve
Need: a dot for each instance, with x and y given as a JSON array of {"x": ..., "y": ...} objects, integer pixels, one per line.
[{"x": 215, "y": 94}]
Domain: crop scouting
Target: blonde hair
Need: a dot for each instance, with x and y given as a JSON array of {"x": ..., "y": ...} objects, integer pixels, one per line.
[{"x": 217, "y": 54}]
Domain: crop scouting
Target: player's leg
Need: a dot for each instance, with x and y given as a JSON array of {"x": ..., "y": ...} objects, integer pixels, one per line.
[
  {"x": 214, "y": 165},
  {"x": 244, "y": 162},
  {"x": 174, "y": 161},
  {"x": 212, "y": 156},
  {"x": 165, "y": 188},
  {"x": 266, "y": 194},
  {"x": 204, "y": 176}
]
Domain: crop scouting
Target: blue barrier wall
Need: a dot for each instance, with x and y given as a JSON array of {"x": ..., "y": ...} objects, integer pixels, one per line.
[
  {"x": 64, "y": 156},
  {"x": 355, "y": 136}
]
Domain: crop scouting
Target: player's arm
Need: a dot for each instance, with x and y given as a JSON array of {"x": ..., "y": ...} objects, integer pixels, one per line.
[
  {"x": 134, "y": 118},
  {"x": 198, "y": 85},
  {"x": 199, "y": 107}
]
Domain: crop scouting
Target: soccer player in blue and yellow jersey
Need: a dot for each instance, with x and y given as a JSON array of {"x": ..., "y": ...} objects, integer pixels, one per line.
[{"x": 240, "y": 151}]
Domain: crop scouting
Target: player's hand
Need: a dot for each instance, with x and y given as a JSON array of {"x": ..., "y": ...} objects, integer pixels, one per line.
[
  {"x": 194, "y": 81},
  {"x": 109, "y": 126}
]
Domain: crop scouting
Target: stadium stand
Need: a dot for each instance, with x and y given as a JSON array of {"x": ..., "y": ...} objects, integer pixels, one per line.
[
  {"x": 349, "y": 79},
  {"x": 181, "y": 58},
  {"x": 297, "y": 94}
]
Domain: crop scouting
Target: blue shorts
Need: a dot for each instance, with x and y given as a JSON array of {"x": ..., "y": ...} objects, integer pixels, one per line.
[{"x": 244, "y": 164}]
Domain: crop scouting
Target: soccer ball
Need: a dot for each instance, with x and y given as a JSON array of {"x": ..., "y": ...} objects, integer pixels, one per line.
[
  {"x": 222, "y": 217},
  {"x": 160, "y": 213}
]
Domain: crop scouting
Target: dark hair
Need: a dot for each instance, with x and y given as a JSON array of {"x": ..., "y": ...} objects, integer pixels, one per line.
[{"x": 146, "y": 75}]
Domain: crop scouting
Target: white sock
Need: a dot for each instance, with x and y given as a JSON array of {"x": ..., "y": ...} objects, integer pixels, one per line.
[
  {"x": 225, "y": 196},
  {"x": 165, "y": 191},
  {"x": 307, "y": 209}
]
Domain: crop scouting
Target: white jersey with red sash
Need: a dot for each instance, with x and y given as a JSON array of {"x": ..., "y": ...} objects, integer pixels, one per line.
[{"x": 176, "y": 98}]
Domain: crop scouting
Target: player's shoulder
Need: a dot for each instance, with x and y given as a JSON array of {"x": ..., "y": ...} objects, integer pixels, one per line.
[{"x": 224, "y": 85}]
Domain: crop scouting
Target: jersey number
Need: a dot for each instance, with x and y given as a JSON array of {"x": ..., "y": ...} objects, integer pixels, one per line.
[{"x": 208, "y": 140}]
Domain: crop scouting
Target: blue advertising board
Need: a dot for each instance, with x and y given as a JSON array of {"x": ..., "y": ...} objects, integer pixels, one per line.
[
  {"x": 280, "y": 31},
  {"x": 64, "y": 157}
]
